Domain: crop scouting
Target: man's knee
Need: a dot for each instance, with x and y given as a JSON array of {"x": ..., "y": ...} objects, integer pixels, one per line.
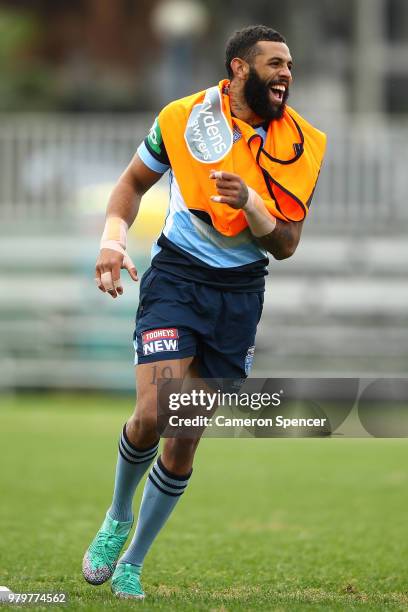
[
  {"x": 142, "y": 424},
  {"x": 178, "y": 454},
  {"x": 143, "y": 421}
]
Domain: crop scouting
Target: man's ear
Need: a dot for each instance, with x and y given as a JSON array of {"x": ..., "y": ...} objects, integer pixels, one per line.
[{"x": 240, "y": 68}]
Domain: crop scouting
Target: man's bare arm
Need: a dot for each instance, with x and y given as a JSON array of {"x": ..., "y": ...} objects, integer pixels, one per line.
[
  {"x": 283, "y": 241},
  {"x": 123, "y": 204},
  {"x": 125, "y": 198}
]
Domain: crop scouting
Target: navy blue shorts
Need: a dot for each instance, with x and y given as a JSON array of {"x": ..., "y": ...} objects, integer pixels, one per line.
[{"x": 180, "y": 318}]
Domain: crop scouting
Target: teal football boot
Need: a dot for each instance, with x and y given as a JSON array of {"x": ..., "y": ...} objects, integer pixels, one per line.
[
  {"x": 101, "y": 557},
  {"x": 126, "y": 581}
]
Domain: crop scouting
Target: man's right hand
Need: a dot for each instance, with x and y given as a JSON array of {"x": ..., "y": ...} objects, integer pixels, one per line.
[{"x": 107, "y": 271}]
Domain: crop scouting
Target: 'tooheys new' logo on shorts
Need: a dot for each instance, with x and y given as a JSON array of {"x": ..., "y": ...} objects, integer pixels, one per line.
[{"x": 158, "y": 340}]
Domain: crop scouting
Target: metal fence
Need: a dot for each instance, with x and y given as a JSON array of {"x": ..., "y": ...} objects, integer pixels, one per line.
[
  {"x": 48, "y": 163},
  {"x": 341, "y": 305}
]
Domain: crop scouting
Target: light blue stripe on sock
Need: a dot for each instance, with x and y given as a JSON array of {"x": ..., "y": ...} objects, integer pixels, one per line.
[
  {"x": 168, "y": 480},
  {"x": 136, "y": 457},
  {"x": 163, "y": 487},
  {"x": 135, "y": 452}
]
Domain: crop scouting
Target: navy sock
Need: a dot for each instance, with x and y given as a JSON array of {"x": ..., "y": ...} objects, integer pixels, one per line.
[
  {"x": 132, "y": 464},
  {"x": 161, "y": 493}
]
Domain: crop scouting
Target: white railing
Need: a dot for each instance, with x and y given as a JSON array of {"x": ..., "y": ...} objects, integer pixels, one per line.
[{"x": 48, "y": 162}]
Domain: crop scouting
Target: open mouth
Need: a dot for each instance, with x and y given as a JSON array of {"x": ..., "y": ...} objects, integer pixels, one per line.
[{"x": 277, "y": 93}]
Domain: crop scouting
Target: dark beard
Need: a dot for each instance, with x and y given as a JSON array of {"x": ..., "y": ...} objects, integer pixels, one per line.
[{"x": 256, "y": 92}]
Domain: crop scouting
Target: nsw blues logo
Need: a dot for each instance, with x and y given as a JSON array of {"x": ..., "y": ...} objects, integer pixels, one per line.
[
  {"x": 236, "y": 133},
  {"x": 249, "y": 359}
]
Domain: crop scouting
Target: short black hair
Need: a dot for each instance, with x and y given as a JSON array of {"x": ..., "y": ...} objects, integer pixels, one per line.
[{"x": 241, "y": 43}]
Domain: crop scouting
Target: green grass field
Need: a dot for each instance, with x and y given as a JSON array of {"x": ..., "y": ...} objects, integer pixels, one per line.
[{"x": 265, "y": 525}]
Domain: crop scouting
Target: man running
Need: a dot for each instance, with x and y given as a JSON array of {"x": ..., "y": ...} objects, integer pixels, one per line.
[{"x": 243, "y": 168}]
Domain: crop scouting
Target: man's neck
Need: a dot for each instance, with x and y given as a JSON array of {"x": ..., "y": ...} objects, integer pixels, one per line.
[{"x": 239, "y": 106}]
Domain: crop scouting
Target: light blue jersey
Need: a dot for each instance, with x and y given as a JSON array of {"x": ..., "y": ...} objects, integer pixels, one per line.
[{"x": 190, "y": 246}]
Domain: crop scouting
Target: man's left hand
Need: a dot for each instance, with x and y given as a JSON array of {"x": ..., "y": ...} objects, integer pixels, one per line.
[{"x": 231, "y": 189}]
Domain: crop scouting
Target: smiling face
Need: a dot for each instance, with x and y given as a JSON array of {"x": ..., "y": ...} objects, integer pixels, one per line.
[{"x": 268, "y": 79}]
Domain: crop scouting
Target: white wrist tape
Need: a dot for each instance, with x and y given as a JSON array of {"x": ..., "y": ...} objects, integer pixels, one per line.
[
  {"x": 114, "y": 237},
  {"x": 260, "y": 220},
  {"x": 115, "y": 230}
]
